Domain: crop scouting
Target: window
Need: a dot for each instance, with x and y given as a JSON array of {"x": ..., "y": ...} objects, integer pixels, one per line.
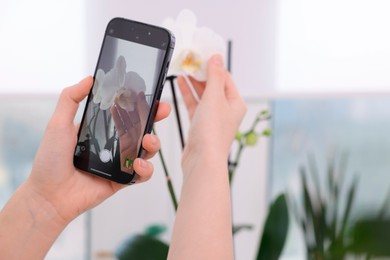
[{"x": 333, "y": 45}]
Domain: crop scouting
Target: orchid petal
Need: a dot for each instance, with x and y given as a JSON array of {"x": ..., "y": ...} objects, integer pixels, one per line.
[
  {"x": 169, "y": 23},
  {"x": 117, "y": 84},
  {"x": 127, "y": 95},
  {"x": 108, "y": 89},
  {"x": 120, "y": 67},
  {"x": 194, "y": 46},
  {"x": 126, "y": 99},
  {"x": 134, "y": 82},
  {"x": 99, "y": 79},
  {"x": 186, "y": 25}
]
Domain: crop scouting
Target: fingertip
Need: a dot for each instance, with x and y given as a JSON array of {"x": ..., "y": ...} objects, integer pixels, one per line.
[
  {"x": 69, "y": 100},
  {"x": 167, "y": 106},
  {"x": 144, "y": 169},
  {"x": 80, "y": 90},
  {"x": 216, "y": 75},
  {"x": 142, "y": 164},
  {"x": 215, "y": 65},
  {"x": 87, "y": 80},
  {"x": 151, "y": 144},
  {"x": 216, "y": 60},
  {"x": 85, "y": 85},
  {"x": 163, "y": 111}
]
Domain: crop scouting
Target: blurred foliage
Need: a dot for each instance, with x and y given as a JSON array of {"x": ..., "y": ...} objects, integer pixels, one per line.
[
  {"x": 322, "y": 220},
  {"x": 325, "y": 220},
  {"x": 370, "y": 237},
  {"x": 145, "y": 246}
]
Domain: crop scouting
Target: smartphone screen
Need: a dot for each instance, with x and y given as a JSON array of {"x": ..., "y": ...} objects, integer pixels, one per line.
[{"x": 120, "y": 109}]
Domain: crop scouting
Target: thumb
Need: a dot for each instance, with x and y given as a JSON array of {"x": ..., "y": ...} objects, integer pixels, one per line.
[
  {"x": 215, "y": 85},
  {"x": 69, "y": 100}
]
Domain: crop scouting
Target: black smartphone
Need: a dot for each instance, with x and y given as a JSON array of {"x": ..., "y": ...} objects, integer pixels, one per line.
[{"x": 123, "y": 101}]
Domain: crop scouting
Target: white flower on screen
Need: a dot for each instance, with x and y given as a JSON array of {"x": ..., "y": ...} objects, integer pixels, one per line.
[
  {"x": 128, "y": 93},
  {"x": 194, "y": 45},
  {"x": 117, "y": 84}
]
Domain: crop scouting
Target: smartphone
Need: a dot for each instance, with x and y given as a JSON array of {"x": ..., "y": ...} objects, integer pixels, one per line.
[{"x": 120, "y": 109}]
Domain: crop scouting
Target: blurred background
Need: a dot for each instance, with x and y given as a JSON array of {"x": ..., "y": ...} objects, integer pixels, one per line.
[{"x": 322, "y": 68}]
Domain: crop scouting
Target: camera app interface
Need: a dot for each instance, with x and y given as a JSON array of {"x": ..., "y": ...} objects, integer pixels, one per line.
[{"x": 117, "y": 111}]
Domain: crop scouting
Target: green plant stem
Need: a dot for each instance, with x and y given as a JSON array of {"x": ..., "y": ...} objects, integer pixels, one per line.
[
  {"x": 233, "y": 165},
  {"x": 168, "y": 178}
]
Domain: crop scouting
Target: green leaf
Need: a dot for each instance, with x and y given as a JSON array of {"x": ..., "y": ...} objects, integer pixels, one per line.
[
  {"x": 314, "y": 174},
  {"x": 155, "y": 230},
  {"x": 347, "y": 212},
  {"x": 332, "y": 200},
  {"x": 142, "y": 247},
  {"x": 275, "y": 230},
  {"x": 311, "y": 214}
]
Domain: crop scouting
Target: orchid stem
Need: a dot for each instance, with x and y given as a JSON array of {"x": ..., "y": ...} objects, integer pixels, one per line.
[
  {"x": 105, "y": 124},
  {"x": 233, "y": 165},
  {"x": 177, "y": 112},
  {"x": 97, "y": 147},
  {"x": 168, "y": 178}
]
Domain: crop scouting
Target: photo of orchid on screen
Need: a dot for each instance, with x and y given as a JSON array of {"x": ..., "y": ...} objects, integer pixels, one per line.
[{"x": 118, "y": 108}]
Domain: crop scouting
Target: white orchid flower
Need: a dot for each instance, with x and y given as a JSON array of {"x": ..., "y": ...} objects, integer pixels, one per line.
[
  {"x": 99, "y": 79},
  {"x": 127, "y": 95},
  {"x": 194, "y": 46},
  {"x": 117, "y": 84}
]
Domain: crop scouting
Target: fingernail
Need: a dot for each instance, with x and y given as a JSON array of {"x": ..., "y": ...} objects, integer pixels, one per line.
[
  {"x": 153, "y": 139},
  {"x": 217, "y": 60},
  {"x": 142, "y": 163}
]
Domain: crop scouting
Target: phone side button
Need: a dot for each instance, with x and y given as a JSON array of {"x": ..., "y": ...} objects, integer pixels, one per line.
[
  {"x": 159, "y": 93},
  {"x": 165, "y": 77}
]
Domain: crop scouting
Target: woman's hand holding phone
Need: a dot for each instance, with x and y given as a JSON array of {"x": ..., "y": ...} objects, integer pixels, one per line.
[
  {"x": 133, "y": 61},
  {"x": 54, "y": 176},
  {"x": 56, "y": 192}
]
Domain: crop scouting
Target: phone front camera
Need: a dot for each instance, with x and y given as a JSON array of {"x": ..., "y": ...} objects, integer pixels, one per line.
[
  {"x": 149, "y": 33},
  {"x": 111, "y": 31}
]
